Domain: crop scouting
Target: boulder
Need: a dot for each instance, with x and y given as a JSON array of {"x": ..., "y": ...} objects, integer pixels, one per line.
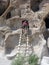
[
  {"x": 39, "y": 46},
  {"x": 48, "y": 42},
  {"x": 12, "y": 39},
  {"x": 45, "y": 61},
  {"x": 14, "y": 23},
  {"x": 42, "y": 3},
  {"x": 3, "y": 31}
]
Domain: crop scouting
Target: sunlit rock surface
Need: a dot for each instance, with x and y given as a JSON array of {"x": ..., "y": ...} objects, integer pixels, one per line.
[{"x": 12, "y": 42}]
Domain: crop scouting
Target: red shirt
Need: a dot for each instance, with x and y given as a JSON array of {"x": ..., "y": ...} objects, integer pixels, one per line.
[{"x": 25, "y": 23}]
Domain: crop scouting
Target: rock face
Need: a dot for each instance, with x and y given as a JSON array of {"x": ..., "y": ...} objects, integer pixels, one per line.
[
  {"x": 36, "y": 40},
  {"x": 10, "y": 29}
]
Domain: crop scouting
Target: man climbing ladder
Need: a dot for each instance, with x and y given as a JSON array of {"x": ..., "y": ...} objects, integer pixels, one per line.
[{"x": 25, "y": 27}]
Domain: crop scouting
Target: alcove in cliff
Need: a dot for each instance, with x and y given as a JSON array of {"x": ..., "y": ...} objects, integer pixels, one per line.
[
  {"x": 47, "y": 21},
  {"x": 3, "y": 6},
  {"x": 34, "y": 4}
]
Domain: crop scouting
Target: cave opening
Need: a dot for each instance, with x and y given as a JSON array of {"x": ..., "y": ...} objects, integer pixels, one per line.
[
  {"x": 8, "y": 15},
  {"x": 3, "y": 6},
  {"x": 47, "y": 21},
  {"x": 35, "y": 5}
]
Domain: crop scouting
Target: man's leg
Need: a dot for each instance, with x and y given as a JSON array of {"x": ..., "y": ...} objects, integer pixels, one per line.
[{"x": 23, "y": 30}]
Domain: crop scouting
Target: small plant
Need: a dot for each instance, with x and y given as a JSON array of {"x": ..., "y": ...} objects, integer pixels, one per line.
[
  {"x": 21, "y": 60},
  {"x": 18, "y": 61},
  {"x": 33, "y": 60}
]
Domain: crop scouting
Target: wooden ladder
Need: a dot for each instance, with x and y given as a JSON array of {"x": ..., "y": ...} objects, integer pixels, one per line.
[{"x": 20, "y": 41}]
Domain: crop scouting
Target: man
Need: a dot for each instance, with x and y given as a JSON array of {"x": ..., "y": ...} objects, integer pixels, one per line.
[{"x": 25, "y": 26}]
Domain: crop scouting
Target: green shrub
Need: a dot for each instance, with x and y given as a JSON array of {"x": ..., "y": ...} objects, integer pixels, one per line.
[
  {"x": 18, "y": 61},
  {"x": 33, "y": 60},
  {"x": 21, "y": 60}
]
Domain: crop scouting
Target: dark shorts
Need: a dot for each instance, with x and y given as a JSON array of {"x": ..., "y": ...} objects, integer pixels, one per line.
[{"x": 25, "y": 27}]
